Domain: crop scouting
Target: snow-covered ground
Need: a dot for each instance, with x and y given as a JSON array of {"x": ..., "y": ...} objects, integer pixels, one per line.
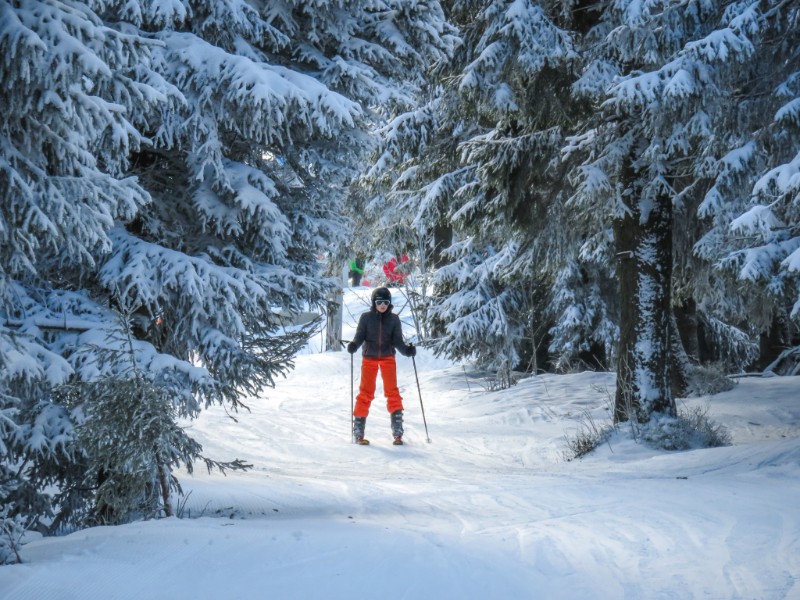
[{"x": 488, "y": 509}]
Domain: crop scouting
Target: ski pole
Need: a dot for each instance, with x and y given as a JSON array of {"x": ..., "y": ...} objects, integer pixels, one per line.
[
  {"x": 352, "y": 423},
  {"x": 427, "y": 437}
]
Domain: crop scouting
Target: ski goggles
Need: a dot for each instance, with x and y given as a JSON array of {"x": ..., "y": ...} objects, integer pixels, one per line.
[{"x": 382, "y": 302}]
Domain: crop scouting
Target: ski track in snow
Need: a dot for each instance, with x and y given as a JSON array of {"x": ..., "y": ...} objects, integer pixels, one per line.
[
  {"x": 488, "y": 509},
  {"x": 490, "y": 483}
]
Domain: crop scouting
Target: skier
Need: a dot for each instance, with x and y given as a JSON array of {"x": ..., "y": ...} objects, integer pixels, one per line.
[
  {"x": 381, "y": 333},
  {"x": 395, "y": 271},
  {"x": 357, "y": 270}
]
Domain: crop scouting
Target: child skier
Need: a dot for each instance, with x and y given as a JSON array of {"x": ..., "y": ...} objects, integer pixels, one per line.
[{"x": 381, "y": 333}]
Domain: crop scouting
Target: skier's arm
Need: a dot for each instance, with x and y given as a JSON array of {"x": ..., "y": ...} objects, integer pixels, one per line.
[
  {"x": 361, "y": 333},
  {"x": 397, "y": 340}
]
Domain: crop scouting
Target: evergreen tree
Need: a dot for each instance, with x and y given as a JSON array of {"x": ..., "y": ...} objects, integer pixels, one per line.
[
  {"x": 482, "y": 157},
  {"x": 648, "y": 97},
  {"x": 71, "y": 94},
  {"x": 751, "y": 204},
  {"x": 675, "y": 142},
  {"x": 241, "y": 123},
  {"x": 658, "y": 68}
]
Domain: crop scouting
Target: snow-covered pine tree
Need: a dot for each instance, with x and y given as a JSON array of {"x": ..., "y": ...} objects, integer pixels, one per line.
[
  {"x": 242, "y": 122},
  {"x": 477, "y": 320},
  {"x": 627, "y": 184},
  {"x": 482, "y": 157},
  {"x": 585, "y": 308},
  {"x": 673, "y": 147},
  {"x": 128, "y": 437},
  {"x": 752, "y": 203},
  {"x": 71, "y": 98},
  {"x": 389, "y": 226},
  {"x": 248, "y": 177},
  {"x": 667, "y": 75}
]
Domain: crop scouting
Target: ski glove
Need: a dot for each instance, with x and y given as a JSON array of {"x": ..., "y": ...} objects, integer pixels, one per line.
[
  {"x": 351, "y": 347},
  {"x": 412, "y": 351}
]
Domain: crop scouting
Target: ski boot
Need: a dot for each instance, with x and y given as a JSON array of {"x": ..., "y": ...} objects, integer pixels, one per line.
[
  {"x": 397, "y": 427},
  {"x": 359, "y": 424}
]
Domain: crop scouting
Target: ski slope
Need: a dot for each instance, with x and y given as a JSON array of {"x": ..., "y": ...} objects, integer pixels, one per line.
[{"x": 488, "y": 509}]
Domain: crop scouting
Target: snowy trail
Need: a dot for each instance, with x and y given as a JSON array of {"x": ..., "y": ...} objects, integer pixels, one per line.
[
  {"x": 488, "y": 510},
  {"x": 493, "y": 485}
]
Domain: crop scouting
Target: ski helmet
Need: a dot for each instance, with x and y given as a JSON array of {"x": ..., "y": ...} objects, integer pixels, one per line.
[{"x": 381, "y": 293}]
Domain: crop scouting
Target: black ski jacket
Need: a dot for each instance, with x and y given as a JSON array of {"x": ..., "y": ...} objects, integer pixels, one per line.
[{"x": 380, "y": 334}]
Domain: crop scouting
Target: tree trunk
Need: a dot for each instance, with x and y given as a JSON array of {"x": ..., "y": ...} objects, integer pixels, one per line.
[
  {"x": 333, "y": 329},
  {"x": 688, "y": 328},
  {"x": 681, "y": 364},
  {"x": 166, "y": 492},
  {"x": 774, "y": 341},
  {"x": 625, "y": 243},
  {"x": 442, "y": 238},
  {"x": 643, "y": 239}
]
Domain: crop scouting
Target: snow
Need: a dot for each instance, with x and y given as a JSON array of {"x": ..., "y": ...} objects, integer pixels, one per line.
[{"x": 489, "y": 509}]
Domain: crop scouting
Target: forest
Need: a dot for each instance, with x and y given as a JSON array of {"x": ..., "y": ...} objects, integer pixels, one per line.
[{"x": 578, "y": 184}]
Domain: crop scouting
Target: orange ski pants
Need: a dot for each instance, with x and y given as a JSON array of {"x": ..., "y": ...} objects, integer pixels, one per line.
[{"x": 369, "y": 375}]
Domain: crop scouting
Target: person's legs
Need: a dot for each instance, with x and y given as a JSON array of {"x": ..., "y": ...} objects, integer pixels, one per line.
[
  {"x": 394, "y": 401},
  {"x": 366, "y": 393},
  {"x": 366, "y": 390}
]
